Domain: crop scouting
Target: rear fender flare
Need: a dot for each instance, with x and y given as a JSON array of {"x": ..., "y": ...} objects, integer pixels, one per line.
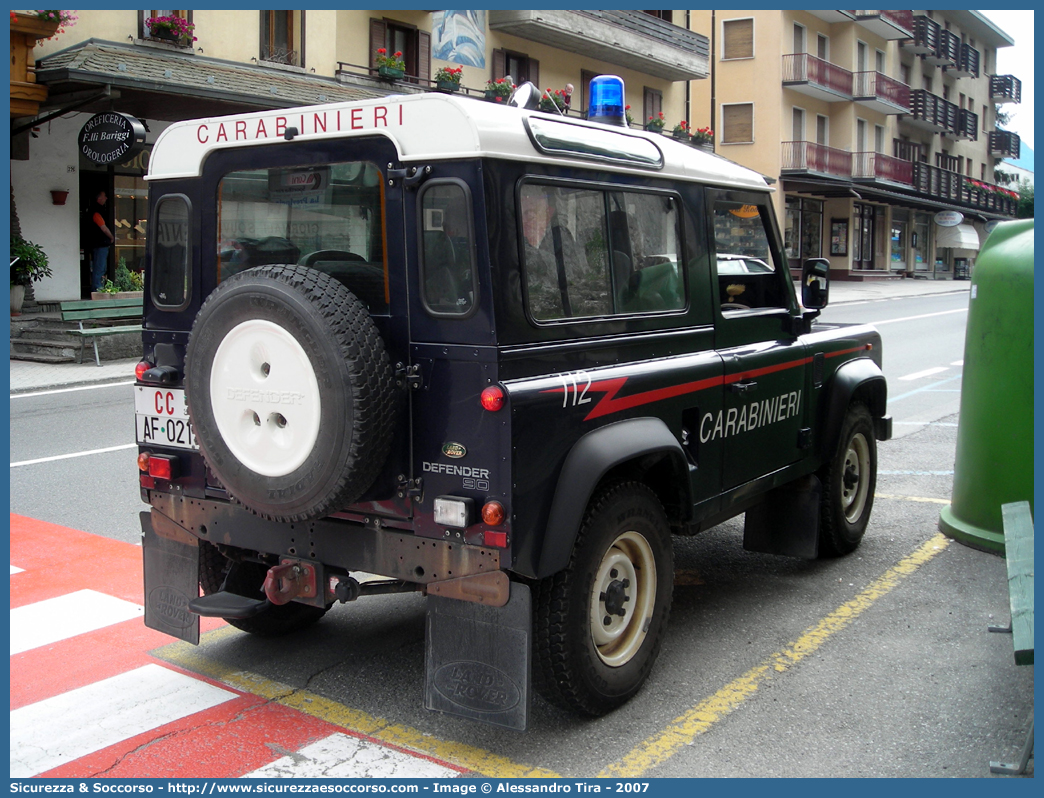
[
  {"x": 861, "y": 377},
  {"x": 588, "y": 462}
]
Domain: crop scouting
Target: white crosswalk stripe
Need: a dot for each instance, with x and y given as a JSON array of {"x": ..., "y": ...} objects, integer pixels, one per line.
[
  {"x": 341, "y": 756},
  {"x": 61, "y": 617}
]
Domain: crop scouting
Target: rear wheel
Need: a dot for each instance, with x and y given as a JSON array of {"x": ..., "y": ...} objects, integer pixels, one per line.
[
  {"x": 246, "y": 579},
  {"x": 849, "y": 481},
  {"x": 599, "y": 623}
]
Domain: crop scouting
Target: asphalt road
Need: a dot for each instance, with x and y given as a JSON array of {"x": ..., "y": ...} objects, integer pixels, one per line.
[{"x": 876, "y": 664}]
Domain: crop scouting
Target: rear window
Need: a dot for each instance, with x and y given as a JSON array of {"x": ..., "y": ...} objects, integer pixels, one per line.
[
  {"x": 328, "y": 217},
  {"x": 169, "y": 235}
]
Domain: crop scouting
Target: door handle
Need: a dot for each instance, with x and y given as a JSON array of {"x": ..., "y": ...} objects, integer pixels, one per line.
[{"x": 743, "y": 387}]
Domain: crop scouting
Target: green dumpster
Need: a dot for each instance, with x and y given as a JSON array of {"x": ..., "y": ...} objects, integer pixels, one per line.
[{"x": 994, "y": 463}]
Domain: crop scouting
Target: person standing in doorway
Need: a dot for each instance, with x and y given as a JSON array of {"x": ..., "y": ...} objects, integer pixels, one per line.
[{"x": 100, "y": 238}]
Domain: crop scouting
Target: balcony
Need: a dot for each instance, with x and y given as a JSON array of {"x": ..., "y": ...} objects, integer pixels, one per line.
[
  {"x": 1005, "y": 89},
  {"x": 886, "y": 24},
  {"x": 967, "y": 65},
  {"x": 881, "y": 93},
  {"x": 878, "y": 166},
  {"x": 817, "y": 78},
  {"x": 1004, "y": 144},
  {"x": 26, "y": 93},
  {"x": 807, "y": 156},
  {"x": 933, "y": 113},
  {"x": 624, "y": 38},
  {"x": 832, "y": 16},
  {"x": 925, "y": 37},
  {"x": 943, "y": 184},
  {"x": 967, "y": 125},
  {"x": 947, "y": 50}
]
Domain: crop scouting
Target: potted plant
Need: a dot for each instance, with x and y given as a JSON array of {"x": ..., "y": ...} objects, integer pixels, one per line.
[
  {"x": 172, "y": 29},
  {"x": 704, "y": 138},
  {"x": 681, "y": 131},
  {"x": 391, "y": 67},
  {"x": 553, "y": 102},
  {"x": 54, "y": 22},
  {"x": 28, "y": 265},
  {"x": 627, "y": 113},
  {"x": 448, "y": 78},
  {"x": 655, "y": 123},
  {"x": 499, "y": 90},
  {"x": 127, "y": 284}
]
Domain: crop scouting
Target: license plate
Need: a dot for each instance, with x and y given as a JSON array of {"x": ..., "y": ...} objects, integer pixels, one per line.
[{"x": 161, "y": 418}]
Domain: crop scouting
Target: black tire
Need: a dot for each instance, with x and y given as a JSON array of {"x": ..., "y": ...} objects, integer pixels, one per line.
[
  {"x": 624, "y": 534},
  {"x": 849, "y": 481},
  {"x": 246, "y": 579},
  {"x": 290, "y": 391}
]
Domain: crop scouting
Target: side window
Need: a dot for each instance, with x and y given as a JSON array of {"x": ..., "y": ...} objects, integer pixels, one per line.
[
  {"x": 169, "y": 234},
  {"x": 447, "y": 268},
  {"x": 593, "y": 253},
  {"x": 327, "y": 216},
  {"x": 746, "y": 268}
]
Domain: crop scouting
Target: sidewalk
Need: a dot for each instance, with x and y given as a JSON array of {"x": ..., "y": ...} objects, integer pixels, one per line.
[{"x": 27, "y": 377}]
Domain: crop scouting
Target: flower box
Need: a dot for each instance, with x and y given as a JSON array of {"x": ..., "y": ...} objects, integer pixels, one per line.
[
  {"x": 448, "y": 85},
  {"x": 390, "y": 73}
]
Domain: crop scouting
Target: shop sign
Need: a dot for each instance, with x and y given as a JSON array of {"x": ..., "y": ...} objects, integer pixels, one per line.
[
  {"x": 111, "y": 137},
  {"x": 949, "y": 218}
]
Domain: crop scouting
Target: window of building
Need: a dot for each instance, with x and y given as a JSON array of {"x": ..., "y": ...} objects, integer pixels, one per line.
[
  {"x": 592, "y": 252},
  {"x": 822, "y": 130},
  {"x": 861, "y": 144},
  {"x": 737, "y": 36},
  {"x": 983, "y": 117},
  {"x": 652, "y": 104},
  {"x": 799, "y": 38},
  {"x": 518, "y": 65},
  {"x": 281, "y": 37},
  {"x": 879, "y": 138},
  {"x": 399, "y": 37},
  {"x": 326, "y": 216},
  {"x": 879, "y": 61},
  {"x": 447, "y": 249},
  {"x": 803, "y": 233},
  {"x": 797, "y": 132},
  {"x": 143, "y": 28},
  {"x": 737, "y": 123},
  {"x": 822, "y": 47},
  {"x": 904, "y": 73}
]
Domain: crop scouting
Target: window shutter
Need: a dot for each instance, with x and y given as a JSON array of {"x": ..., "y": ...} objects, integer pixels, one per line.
[
  {"x": 534, "y": 73},
  {"x": 423, "y": 55},
  {"x": 738, "y": 121},
  {"x": 378, "y": 38},
  {"x": 652, "y": 103},
  {"x": 738, "y": 37},
  {"x": 499, "y": 64}
]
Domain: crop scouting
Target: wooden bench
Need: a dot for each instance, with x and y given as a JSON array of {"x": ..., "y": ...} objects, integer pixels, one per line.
[
  {"x": 1018, "y": 553},
  {"x": 98, "y": 309}
]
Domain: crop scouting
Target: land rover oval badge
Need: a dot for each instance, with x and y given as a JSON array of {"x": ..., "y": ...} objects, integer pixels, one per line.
[{"x": 454, "y": 450}]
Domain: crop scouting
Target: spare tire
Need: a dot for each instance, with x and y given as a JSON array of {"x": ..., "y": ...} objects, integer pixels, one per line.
[{"x": 290, "y": 392}]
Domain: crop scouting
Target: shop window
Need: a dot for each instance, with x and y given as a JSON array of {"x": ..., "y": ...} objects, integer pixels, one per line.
[
  {"x": 737, "y": 123},
  {"x": 130, "y": 218},
  {"x": 590, "y": 253},
  {"x": 518, "y": 65},
  {"x": 448, "y": 283},
  {"x": 282, "y": 37},
  {"x": 171, "y": 244},
  {"x": 400, "y": 37},
  {"x": 737, "y": 39},
  {"x": 803, "y": 234},
  {"x": 327, "y": 216}
]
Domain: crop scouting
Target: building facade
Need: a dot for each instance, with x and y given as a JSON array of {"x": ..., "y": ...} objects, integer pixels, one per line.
[
  {"x": 879, "y": 126},
  {"x": 870, "y": 122}
]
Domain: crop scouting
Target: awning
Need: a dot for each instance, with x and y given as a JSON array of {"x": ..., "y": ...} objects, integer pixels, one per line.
[{"x": 963, "y": 236}]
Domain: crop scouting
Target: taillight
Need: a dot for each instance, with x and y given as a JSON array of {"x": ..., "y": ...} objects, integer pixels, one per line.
[
  {"x": 161, "y": 466},
  {"x": 141, "y": 368},
  {"x": 492, "y": 398}
]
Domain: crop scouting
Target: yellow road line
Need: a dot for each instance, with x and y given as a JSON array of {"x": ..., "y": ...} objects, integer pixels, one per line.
[
  {"x": 483, "y": 762},
  {"x": 685, "y": 728},
  {"x": 910, "y": 498}
]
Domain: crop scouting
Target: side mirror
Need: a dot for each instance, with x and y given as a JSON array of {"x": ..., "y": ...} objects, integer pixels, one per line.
[{"x": 815, "y": 283}]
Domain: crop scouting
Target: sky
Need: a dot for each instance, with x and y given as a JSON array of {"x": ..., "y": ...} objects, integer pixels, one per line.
[{"x": 1017, "y": 61}]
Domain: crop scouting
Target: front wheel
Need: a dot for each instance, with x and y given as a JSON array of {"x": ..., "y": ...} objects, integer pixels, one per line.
[
  {"x": 849, "y": 481},
  {"x": 599, "y": 623}
]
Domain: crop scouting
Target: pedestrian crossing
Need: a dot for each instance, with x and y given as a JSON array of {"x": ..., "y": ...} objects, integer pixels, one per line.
[{"x": 89, "y": 700}]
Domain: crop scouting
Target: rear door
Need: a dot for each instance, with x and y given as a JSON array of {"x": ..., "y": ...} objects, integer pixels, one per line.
[{"x": 764, "y": 407}]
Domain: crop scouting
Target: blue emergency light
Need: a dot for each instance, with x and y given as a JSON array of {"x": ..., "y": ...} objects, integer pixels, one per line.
[{"x": 607, "y": 101}]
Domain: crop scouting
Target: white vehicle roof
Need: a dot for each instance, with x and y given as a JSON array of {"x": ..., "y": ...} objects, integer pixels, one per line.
[{"x": 431, "y": 126}]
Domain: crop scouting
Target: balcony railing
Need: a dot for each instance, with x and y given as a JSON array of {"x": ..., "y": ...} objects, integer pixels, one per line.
[
  {"x": 967, "y": 125},
  {"x": 1004, "y": 144},
  {"x": 807, "y": 156},
  {"x": 802, "y": 68},
  {"x": 1005, "y": 89},
  {"x": 925, "y": 36},
  {"x": 881, "y": 92},
  {"x": 887, "y": 24},
  {"x": 278, "y": 55},
  {"x": 878, "y": 166},
  {"x": 943, "y": 184},
  {"x": 967, "y": 65},
  {"x": 933, "y": 112},
  {"x": 947, "y": 51}
]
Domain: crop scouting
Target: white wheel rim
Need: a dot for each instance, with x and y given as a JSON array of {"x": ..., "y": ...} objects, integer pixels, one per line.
[
  {"x": 855, "y": 477},
  {"x": 625, "y": 581},
  {"x": 265, "y": 398}
]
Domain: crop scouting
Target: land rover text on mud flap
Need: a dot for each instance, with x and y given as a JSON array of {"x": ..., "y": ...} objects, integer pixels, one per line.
[{"x": 489, "y": 354}]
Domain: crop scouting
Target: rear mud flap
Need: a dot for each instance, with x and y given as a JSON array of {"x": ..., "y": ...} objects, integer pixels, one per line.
[
  {"x": 786, "y": 521},
  {"x": 478, "y": 659},
  {"x": 171, "y": 577}
]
